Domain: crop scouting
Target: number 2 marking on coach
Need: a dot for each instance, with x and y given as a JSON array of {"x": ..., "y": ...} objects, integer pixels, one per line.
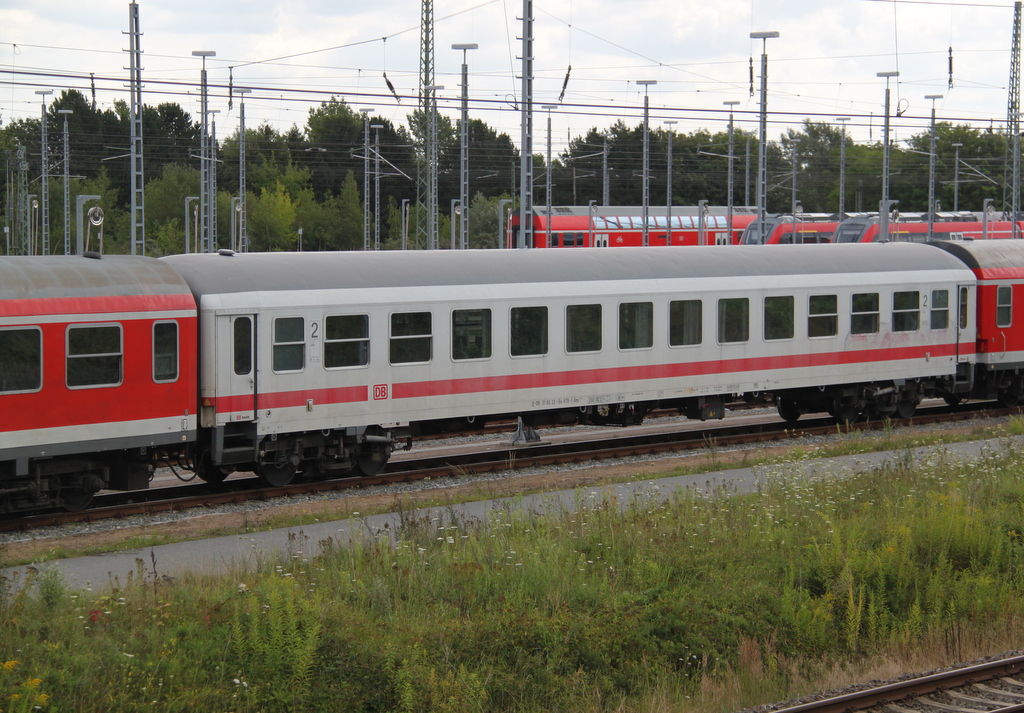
[{"x": 380, "y": 392}]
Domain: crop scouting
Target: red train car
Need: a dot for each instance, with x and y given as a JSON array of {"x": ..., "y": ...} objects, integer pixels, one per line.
[
  {"x": 97, "y": 375},
  {"x": 809, "y": 228},
  {"x": 914, "y": 228},
  {"x": 622, "y": 226},
  {"x": 999, "y": 350}
]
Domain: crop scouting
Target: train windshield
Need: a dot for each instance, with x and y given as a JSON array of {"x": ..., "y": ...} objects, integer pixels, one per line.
[
  {"x": 757, "y": 232},
  {"x": 850, "y": 232}
]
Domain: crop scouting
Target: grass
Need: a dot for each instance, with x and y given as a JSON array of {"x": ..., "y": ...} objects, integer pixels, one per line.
[
  {"x": 668, "y": 601},
  {"x": 844, "y": 442}
]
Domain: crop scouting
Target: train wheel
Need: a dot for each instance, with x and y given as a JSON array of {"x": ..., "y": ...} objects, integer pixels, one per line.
[
  {"x": 205, "y": 469},
  {"x": 1008, "y": 399},
  {"x": 951, "y": 399},
  {"x": 906, "y": 408},
  {"x": 374, "y": 456},
  {"x": 845, "y": 413},
  {"x": 787, "y": 409},
  {"x": 74, "y": 500},
  {"x": 276, "y": 476}
]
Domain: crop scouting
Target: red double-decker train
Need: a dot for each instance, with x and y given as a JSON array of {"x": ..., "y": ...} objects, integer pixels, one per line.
[{"x": 622, "y": 226}]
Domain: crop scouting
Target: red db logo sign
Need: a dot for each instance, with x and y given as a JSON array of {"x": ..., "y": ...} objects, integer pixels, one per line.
[{"x": 380, "y": 392}]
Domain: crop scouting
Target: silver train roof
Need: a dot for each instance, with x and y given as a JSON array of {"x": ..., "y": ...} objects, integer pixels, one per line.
[{"x": 245, "y": 272}]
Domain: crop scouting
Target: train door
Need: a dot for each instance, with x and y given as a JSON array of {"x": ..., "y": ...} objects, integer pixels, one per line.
[{"x": 236, "y": 391}]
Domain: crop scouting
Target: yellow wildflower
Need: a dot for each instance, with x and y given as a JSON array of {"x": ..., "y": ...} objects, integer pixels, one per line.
[
  {"x": 9, "y": 665},
  {"x": 33, "y": 683}
]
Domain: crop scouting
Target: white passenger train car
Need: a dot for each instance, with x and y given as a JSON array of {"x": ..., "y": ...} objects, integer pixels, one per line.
[{"x": 308, "y": 359}]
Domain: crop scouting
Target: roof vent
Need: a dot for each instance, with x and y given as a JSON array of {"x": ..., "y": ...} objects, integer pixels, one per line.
[
  {"x": 226, "y": 252},
  {"x": 92, "y": 255}
]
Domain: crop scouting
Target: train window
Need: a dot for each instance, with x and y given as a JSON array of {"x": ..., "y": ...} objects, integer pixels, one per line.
[
  {"x": 165, "y": 351},
  {"x": 94, "y": 356},
  {"x": 733, "y": 320},
  {"x": 905, "y": 311},
  {"x": 411, "y": 339},
  {"x": 289, "y": 343},
  {"x": 1004, "y": 306},
  {"x": 685, "y": 322},
  {"x": 636, "y": 325},
  {"x": 528, "y": 331},
  {"x": 583, "y": 328},
  {"x": 864, "y": 314},
  {"x": 242, "y": 336},
  {"x": 940, "y": 309},
  {"x": 346, "y": 340},
  {"x": 823, "y": 316},
  {"x": 471, "y": 334},
  {"x": 778, "y": 318},
  {"x": 963, "y": 308},
  {"x": 21, "y": 359}
]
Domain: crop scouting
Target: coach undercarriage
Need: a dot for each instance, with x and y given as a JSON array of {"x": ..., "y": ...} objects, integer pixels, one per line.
[
  {"x": 279, "y": 457},
  {"x": 849, "y": 402}
]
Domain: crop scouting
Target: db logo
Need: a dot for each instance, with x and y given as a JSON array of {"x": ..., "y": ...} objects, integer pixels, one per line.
[{"x": 380, "y": 391}]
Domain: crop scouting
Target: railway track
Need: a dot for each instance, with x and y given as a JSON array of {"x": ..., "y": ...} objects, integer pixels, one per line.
[
  {"x": 631, "y": 443},
  {"x": 993, "y": 687}
]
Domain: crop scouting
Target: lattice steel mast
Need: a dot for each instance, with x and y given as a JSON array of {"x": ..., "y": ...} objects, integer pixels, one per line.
[
  {"x": 138, "y": 203},
  {"x": 426, "y": 185},
  {"x": 1013, "y": 116}
]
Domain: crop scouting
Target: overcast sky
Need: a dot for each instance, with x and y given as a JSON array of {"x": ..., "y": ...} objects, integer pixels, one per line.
[{"x": 296, "y": 54}]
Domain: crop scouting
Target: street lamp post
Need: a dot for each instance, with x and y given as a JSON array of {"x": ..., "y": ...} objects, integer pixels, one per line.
[
  {"x": 464, "y": 144},
  {"x": 668, "y": 190},
  {"x": 762, "y": 154},
  {"x": 203, "y": 238},
  {"x": 729, "y": 197},
  {"x": 501, "y": 221},
  {"x": 44, "y": 178},
  {"x": 885, "y": 136},
  {"x": 931, "y": 168},
  {"x": 956, "y": 178},
  {"x": 188, "y": 220},
  {"x": 67, "y": 185},
  {"x": 645, "y": 83},
  {"x": 547, "y": 180},
  {"x": 842, "y": 168}
]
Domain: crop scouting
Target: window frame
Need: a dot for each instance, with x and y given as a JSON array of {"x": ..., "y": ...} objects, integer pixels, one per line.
[
  {"x": 364, "y": 340},
  {"x": 856, "y": 315},
  {"x": 933, "y": 311},
  {"x": 648, "y": 332},
  {"x": 487, "y": 341},
  {"x": 901, "y": 312},
  {"x": 39, "y": 332},
  {"x": 572, "y": 337},
  {"x": 515, "y": 332},
  {"x": 1007, "y": 306},
  {"x": 683, "y": 325},
  {"x": 823, "y": 318},
  {"x": 275, "y": 344},
  {"x": 745, "y": 301},
  {"x": 765, "y": 321},
  {"x": 68, "y": 357},
  {"x": 426, "y": 337},
  {"x": 177, "y": 351}
]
